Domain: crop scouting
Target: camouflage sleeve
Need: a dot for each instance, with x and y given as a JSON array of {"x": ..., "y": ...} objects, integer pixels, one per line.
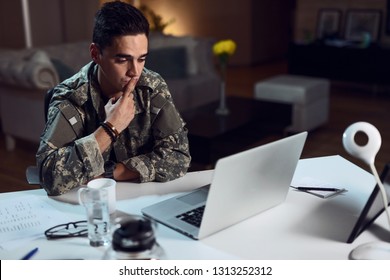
[
  {"x": 170, "y": 157},
  {"x": 64, "y": 159}
]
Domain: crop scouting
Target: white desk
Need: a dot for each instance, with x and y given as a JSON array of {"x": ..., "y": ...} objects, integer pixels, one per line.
[{"x": 304, "y": 227}]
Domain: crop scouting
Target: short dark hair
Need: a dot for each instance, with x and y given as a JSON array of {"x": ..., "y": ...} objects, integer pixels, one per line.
[{"x": 117, "y": 18}]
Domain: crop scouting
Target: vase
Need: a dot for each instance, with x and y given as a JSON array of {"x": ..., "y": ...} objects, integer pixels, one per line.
[{"x": 222, "y": 109}]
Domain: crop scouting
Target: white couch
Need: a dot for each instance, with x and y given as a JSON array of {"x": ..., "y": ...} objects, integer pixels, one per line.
[{"x": 186, "y": 63}]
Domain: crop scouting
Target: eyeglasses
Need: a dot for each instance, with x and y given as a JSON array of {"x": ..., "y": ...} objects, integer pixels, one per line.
[{"x": 72, "y": 229}]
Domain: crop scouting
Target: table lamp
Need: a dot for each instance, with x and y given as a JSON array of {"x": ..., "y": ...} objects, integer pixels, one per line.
[{"x": 367, "y": 153}]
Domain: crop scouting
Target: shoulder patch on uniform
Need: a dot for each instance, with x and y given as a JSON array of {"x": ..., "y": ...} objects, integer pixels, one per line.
[{"x": 71, "y": 114}]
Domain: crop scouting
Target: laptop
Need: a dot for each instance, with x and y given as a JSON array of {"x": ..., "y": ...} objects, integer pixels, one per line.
[{"x": 243, "y": 185}]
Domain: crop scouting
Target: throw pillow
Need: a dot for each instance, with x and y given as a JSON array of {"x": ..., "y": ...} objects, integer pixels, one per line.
[
  {"x": 170, "y": 63},
  {"x": 157, "y": 41},
  {"x": 64, "y": 71}
]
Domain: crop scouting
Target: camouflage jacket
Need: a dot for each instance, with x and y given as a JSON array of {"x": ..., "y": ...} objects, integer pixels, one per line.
[{"x": 155, "y": 143}]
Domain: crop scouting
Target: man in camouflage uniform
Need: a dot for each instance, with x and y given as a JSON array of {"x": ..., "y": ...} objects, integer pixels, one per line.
[{"x": 114, "y": 118}]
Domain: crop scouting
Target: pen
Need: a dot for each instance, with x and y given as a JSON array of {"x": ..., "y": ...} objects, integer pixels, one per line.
[
  {"x": 30, "y": 254},
  {"x": 316, "y": 189}
]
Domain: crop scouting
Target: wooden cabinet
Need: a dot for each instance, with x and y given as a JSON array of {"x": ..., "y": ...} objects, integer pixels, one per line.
[{"x": 352, "y": 64}]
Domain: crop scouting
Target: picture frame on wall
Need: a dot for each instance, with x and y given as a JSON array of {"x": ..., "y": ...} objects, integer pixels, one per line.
[
  {"x": 328, "y": 23},
  {"x": 362, "y": 23}
]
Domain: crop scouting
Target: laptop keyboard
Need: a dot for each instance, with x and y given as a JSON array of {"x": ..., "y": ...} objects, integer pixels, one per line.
[{"x": 193, "y": 217}]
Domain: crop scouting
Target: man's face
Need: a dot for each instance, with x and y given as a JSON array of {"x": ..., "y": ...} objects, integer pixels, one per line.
[{"x": 118, "y": 63}]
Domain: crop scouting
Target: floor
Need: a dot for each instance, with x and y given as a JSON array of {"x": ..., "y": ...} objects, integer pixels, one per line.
[{"x": 348, "y": 104}]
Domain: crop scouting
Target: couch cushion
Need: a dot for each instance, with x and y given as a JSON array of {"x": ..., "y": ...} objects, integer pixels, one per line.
[{"x": 170, "y": 63}]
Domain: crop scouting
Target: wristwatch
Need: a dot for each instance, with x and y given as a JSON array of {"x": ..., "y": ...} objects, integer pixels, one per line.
[{"x": 109, "y": 167}]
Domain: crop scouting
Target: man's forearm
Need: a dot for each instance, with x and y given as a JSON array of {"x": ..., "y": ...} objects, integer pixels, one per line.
[
  {"x": 103, "y": 139},
  {"x": 122, "y": 173}
]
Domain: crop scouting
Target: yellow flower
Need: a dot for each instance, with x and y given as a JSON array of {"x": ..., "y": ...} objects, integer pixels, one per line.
[{"x": 224, "y": 47}]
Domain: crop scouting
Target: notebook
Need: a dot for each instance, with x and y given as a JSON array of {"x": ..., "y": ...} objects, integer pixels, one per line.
[{"x": 243, "y": 185}]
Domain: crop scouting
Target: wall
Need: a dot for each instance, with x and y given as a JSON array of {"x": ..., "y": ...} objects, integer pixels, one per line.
[
  {"x": 52, "y": 22},
  {"x": 11, "y": 24},
  {"x": 216, "y": 19},
  {"x": 272, "y": 23},
  {"x": 78, "y": 19},
  {"x": 262, "y": 29},
  {"x": 307, "y": 12},
  {"x": 46, "y": 27}
]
